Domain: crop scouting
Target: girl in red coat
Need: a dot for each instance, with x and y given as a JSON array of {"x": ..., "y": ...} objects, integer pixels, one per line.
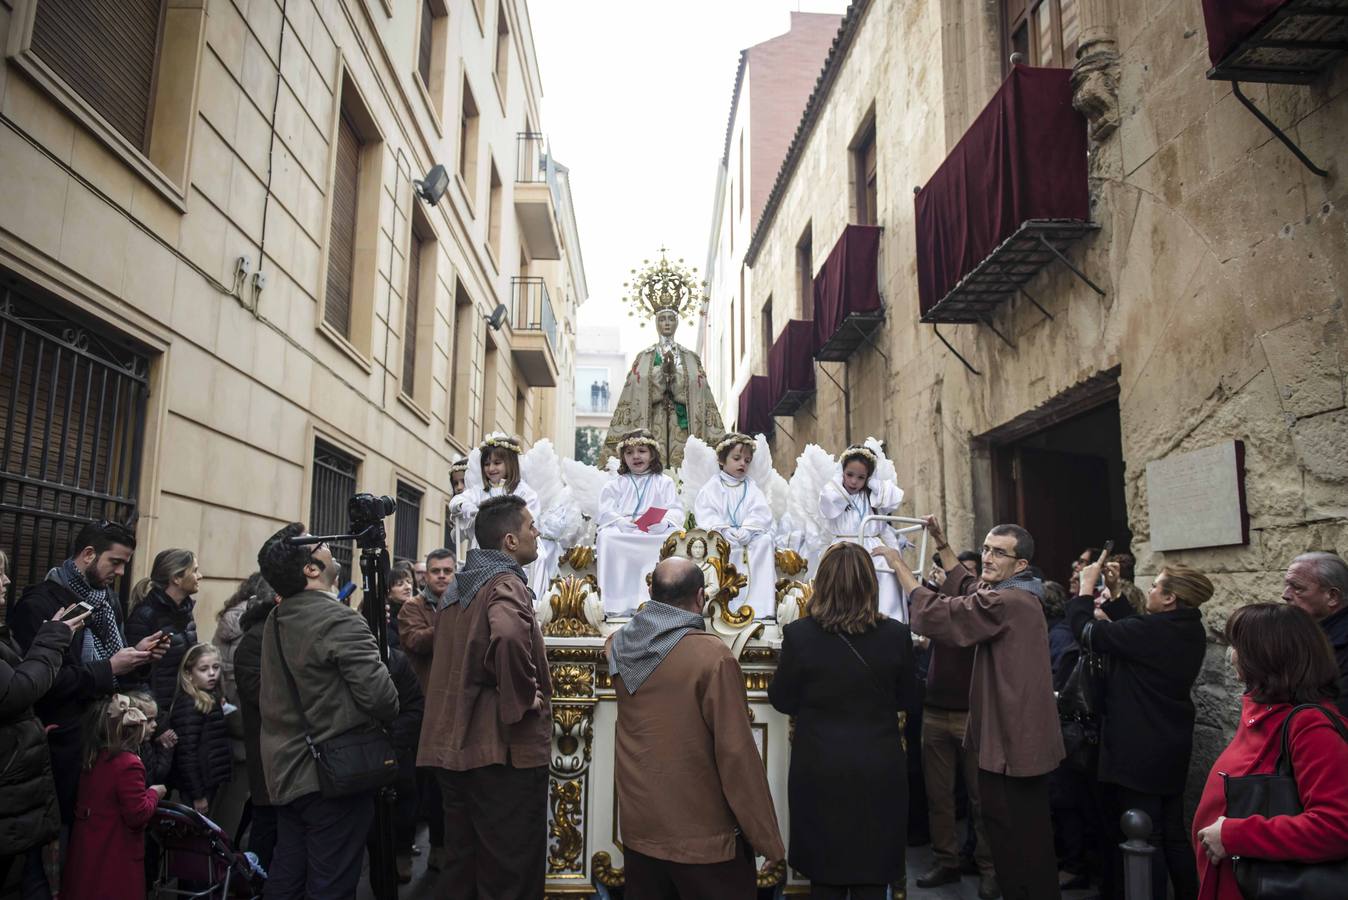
[
  {"x": 107, "y": 840},
  {"x": 1284, "y": 659}
]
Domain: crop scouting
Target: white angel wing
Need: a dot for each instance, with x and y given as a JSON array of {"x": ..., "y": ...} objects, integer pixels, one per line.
[
  {"x": 472, "y": 478},
  {"x": 769, "y": 480},
  {"x": 814, "y": 469},
  {"x": 562, "y": 522},
  {"x": 542, "y": 470},
  {"x": 884, "y": 467},
  {"x": 699, "y": 467},
  {"x": 585, "y": 483}
]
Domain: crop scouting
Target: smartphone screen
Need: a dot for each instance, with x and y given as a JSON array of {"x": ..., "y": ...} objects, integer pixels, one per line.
[{"x": 76, "y": 611}]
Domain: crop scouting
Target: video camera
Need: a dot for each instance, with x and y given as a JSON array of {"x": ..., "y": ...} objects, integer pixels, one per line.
[{"x": 367, "y": 513}]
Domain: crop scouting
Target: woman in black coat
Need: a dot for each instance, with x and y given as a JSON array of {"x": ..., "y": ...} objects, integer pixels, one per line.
[
  {"x": 845, "y": 672},
  {"x": 1147, "y": 729},
  {"x": 163, "y": 602},
  {"x": 28, "y": 813}
]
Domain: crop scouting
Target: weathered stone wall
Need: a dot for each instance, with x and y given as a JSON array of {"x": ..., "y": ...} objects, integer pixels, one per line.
[{"x": 1223, "y": 262}]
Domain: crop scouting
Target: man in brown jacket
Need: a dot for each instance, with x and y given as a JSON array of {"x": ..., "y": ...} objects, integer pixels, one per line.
[
  {"x": 1013, "y": 717},
  {"x": 488, "y": 721},
  {"x": 693, "y": 798}
]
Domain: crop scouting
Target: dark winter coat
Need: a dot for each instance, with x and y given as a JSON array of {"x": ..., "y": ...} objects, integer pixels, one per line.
[
  {"x": 1147, "y": 732},
  {"x": 28, "y": 811},
  {"x": 77, "y": 684},
  {"x": 202, "y": 761},
  {"x": 405, "y": 730},
  {"x": 248, "y": 682},
  {"x": 1336, "y": 629},
  {"x": 158, "y": 760},
  {"x": 158, "y": 612},
  {"x": 847, "y": 784}
]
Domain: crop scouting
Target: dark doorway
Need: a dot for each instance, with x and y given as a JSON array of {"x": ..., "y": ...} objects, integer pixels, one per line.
[{"x": 1063, "y": 482}]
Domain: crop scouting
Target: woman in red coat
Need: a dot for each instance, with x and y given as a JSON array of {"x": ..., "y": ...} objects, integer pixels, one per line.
[
  {"x": 107, "y": 840},
  {"x": 1284, "y": 659}
]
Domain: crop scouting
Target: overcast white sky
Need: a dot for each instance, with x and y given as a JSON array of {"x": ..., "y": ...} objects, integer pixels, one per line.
[{"x": 636, "y": 94}]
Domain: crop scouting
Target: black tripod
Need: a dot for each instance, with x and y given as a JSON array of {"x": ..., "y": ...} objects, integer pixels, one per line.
[{"x": 372, "y": 540}]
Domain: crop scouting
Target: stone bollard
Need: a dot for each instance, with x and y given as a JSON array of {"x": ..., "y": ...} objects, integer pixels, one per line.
[{"x": 1138, "y": 855}]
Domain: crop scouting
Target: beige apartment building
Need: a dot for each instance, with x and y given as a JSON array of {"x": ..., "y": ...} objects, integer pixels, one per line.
[
  {"x": 772, "y": 83},
  {"x": 1123, "y": 321},
  {"x": 258, "y": 255}
]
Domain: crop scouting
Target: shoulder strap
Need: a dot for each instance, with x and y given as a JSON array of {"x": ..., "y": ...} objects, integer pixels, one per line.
[
  {"x": 285, "y": 667},
  {"x": 861, "y": 659},
  {"x": 1285, "y": 754}
]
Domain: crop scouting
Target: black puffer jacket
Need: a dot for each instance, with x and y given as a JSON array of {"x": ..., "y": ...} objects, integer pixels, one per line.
[
  {"x": 405, "y": 731},
  {"x": 158, "y": 612},
  {"x": 28, "y": 811},
  {"x": 202, "y": 760},
  {"x": 248, "y": 681}
]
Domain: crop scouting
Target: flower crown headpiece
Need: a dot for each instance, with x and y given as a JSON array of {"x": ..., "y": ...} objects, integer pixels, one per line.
[
  {"x": 638, "y": 440},
  {"x": 459, "y": 465},
  {"x": 734, "y": 438},
  {"x": 502, "y": 441},
  {"x": 859, "y": 451}
]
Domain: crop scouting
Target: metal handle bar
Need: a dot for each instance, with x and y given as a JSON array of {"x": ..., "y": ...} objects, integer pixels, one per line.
[{"x": 911, "y": 525}]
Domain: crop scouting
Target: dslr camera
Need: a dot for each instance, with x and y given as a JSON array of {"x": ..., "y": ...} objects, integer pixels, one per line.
[{"x": 366, "y": 510}]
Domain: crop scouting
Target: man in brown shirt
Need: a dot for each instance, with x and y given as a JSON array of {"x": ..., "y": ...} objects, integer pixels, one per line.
[
  {"x": 693, "y": 798},
  {"x": 1013, "y": 717},
  {"x": 488, "y": 721}
]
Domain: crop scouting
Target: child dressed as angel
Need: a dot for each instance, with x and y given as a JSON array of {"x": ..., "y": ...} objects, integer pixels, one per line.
[
  {"x": 499, "y": 467},
  {"x": 853, "y": 494},
  {"x": 735, "y": 507},
  {"x": 636, "y": 510}
]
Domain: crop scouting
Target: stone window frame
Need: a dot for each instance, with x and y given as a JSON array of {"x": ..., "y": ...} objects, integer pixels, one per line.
[
  {"x": 863, "y": 155},
  {"x": 469, "y": 131},
  {"x": 421, "y": 231},
  {"x": 433, "y": 93},
  {"x": 370, "y": 193},
  {"x": 500, "y": 71},
  {"x": 462, "y": 346},
  {"x": 166, "y": 165},
  {"x": 495, "y": 212}
]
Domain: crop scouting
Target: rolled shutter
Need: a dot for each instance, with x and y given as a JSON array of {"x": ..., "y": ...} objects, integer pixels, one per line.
[
  {"x": 342, "y": 236},
  {"x": 106, "y": 51},
  {"x": 424, "y": 47},
  {"x": 410, "y": 316}
]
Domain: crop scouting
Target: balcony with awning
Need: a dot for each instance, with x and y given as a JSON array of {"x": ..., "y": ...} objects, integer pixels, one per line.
[
  {"x": 791, "y": 367},
  {"x": 755, "y": 412},
  {"x": 847, "y": 305},
  {"x": 533, "y": 332},
  {"x": 1274, "y": 42},
  {"x": 1010, "y": 198}
]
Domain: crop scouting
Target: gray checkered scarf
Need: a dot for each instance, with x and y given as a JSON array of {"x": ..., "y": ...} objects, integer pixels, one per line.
[
  {"x": 642, "y": 644},
  {"x": 102, "y": 637},
  {"x": 1022, "y": 581},
  {"x": 480, "y": 567}
]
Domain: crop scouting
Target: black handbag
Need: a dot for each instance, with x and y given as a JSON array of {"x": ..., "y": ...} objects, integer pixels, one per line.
[
  {"x": 1276, "y": 794},
  {"x": 353, "y": 762},
  {"x": 1080, "y": 707}
]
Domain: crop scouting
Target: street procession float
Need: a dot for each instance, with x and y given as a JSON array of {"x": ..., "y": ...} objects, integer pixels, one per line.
[{"x": 580, "y": 602}]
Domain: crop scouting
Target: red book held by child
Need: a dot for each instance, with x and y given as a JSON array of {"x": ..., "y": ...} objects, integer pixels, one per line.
[{"x": 650, "y": 517}]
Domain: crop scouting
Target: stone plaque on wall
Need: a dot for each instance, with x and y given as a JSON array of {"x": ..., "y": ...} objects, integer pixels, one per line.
[{"x": 1197, "y": 499}]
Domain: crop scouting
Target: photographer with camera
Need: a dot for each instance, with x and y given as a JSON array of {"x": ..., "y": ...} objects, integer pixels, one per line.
[{"x": 322, "y": 678}]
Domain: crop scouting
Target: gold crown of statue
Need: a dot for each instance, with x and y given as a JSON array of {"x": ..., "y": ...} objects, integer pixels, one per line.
[{"x": 664, "y": 287}]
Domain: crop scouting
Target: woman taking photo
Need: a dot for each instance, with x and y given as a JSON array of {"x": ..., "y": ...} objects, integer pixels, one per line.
[
  {"x": 1284, "y": 660},
  {"x": 1148, "y": 725},
  {"x": 844, "y": 673}
]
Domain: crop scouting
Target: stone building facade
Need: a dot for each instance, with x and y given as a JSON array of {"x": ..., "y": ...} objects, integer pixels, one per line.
[
  {"x": 226, "y": 303},
  {"x": 772, "y": 83},
  {"x": 1220, "y": 258}
]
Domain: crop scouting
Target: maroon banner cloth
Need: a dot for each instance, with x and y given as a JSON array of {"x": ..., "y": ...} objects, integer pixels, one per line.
[
  {"x": 755, "y": 411},
  {"x": 1024, "y": 157},
  {"x": 1230, "y": 21},
  {"x": 849, "y": 281},
  {"x": 791, "y": 360}
]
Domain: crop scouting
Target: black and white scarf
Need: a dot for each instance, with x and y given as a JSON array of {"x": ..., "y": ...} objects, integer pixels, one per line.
[
  {"x": 102, "y": 637},
  {"x": 642, "y": 644}
]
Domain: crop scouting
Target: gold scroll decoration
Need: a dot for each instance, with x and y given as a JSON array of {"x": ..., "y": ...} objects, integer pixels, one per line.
[
  {"x": 566, "y": 842},
  {"x": 772, "y": 875},
  {"x": 572, "y": 680},
  {"x": 568, "y": 597},
  {"x": 601, "y": 866}
]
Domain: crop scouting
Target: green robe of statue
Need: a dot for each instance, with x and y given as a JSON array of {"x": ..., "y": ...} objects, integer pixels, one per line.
[{"x": 666, "y": 392}]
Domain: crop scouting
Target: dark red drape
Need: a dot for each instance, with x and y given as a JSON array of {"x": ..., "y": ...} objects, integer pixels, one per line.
[
  {"x": 791, "y": 360},
  {"x": 1230, "y": 21},
  {"x": 1024, "y": 157},
  {"x": 755, "y": 411},
  {"x": 849, "y": 281}
]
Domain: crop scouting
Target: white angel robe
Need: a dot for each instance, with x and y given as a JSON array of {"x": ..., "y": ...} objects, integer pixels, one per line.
[
  {"x": 843, "y": 512},
  {"x": 626, "y": 554},
  {"x": 738, "y": 510},
  {"x": 463, "y": 509}
]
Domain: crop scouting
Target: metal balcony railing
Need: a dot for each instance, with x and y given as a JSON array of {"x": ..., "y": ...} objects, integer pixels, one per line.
[
  {"x": 532, "y": 308},
  {"x": 530, "y": 157}
]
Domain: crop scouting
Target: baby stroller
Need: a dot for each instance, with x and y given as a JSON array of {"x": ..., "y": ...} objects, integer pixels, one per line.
[{"x": 196, "y": 853}]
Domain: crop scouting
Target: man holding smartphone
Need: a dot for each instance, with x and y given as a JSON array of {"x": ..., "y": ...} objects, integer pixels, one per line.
[{"x": 97, "y": 662}]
